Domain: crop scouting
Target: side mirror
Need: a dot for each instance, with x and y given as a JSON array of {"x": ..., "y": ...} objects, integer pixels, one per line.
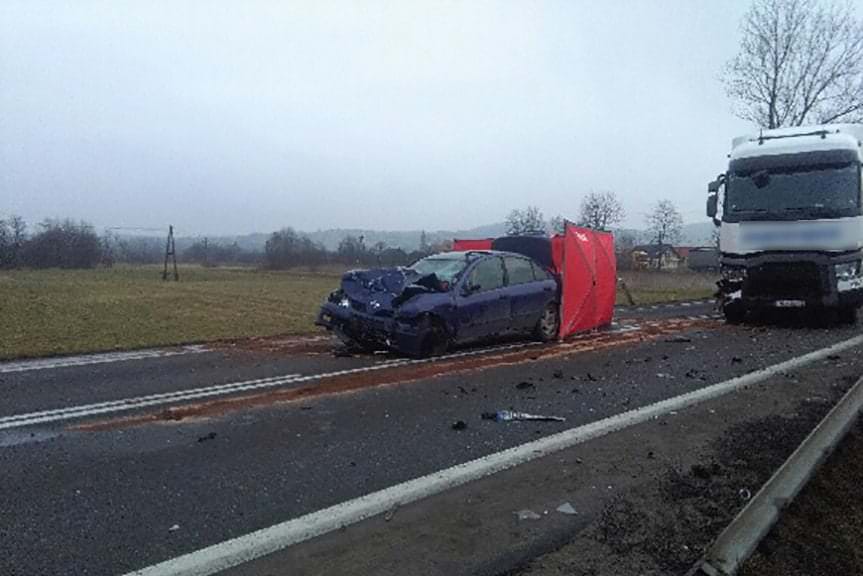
[
  {"x": 469, "y": 289},
  {"x": 712, "y": 202},
  {"x": 713, "y": 187}
]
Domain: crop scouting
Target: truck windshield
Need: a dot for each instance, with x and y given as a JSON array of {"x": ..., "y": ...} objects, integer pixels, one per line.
[{"x": 800, "y": 192}]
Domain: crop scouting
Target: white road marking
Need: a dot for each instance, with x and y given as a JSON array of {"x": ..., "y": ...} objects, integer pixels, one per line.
[
  {"x": 134, "y": 403},
  {"x": 256, "y": 544},
  {"x": 89, "y": 359}
]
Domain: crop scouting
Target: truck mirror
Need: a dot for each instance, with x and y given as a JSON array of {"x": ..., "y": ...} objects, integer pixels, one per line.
[
  {"x": 712, "y": 201},
  {"x": 713, "y": 187}
]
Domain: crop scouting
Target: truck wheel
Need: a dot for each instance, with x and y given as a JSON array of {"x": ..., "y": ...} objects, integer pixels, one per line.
[
  {"x": 847, "y": 315},
  {"x": 734, "y": 313},
  {"x": 548, "y": 325}
]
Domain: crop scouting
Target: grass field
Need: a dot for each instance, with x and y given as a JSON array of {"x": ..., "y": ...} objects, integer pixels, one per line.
[
  {"x": 652, "y": 287},
  {"x": 47, "y": 312}
]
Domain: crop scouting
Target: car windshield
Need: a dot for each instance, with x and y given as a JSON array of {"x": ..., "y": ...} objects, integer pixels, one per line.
[
  {"x": 830, "y": 191},
  {"x": 447, "y": 267}
]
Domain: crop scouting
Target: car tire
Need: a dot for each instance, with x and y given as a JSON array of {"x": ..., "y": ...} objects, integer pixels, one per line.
[
  {"x": 734, "y": 313},
  {"x": 434, "y": 341},
  {"x": 548, "y": 325}
]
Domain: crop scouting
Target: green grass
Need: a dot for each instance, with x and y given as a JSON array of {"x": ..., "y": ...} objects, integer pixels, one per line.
[
  {"x": 48, "y": 312},
  {"x": 654, "y": 287}
]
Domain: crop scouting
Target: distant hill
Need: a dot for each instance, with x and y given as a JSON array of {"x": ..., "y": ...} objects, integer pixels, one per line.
[{"x": 695, "y": 234}]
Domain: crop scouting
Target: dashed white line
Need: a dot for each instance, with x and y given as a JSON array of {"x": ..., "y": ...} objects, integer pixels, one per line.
[{"x": 89, "y": 359}]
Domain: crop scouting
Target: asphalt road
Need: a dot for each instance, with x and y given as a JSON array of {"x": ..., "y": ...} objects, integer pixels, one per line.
[{"x": 293, "y": 429}]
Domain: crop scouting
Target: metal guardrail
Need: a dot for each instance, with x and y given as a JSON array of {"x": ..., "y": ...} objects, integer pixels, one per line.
[{"x": 751, "y": 525}]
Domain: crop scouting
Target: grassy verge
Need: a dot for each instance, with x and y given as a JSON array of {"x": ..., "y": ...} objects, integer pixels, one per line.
[
  {"x": 653, "y": 287},
  {"x": 49, "y": 312}
]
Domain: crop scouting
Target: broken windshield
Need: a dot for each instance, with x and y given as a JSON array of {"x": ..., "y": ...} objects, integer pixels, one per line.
[
  {"x": 796, "y": 192},
  {"x": 447, "y": 267}
]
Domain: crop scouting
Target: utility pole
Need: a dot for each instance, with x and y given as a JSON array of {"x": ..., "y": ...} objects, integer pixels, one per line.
[{"x": 170, "y": 252}]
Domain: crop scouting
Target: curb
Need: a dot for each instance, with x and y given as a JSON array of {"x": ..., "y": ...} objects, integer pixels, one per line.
[{"x": 751, "y": 525}]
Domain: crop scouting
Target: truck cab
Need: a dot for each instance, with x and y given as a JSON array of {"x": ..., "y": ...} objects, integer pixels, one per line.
[{"x": 791, "y": 226}]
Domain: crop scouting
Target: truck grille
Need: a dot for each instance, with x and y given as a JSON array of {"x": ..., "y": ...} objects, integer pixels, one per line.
[{"x": 797, "y": 280}]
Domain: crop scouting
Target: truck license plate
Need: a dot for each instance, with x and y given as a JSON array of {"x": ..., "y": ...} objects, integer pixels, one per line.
[{"x": 790, "y": 303}]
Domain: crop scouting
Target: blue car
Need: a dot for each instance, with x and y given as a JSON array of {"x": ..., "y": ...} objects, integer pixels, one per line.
[{"x": 443, "y": 300}]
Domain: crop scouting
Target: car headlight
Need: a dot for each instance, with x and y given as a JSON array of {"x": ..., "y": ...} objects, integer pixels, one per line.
[
  {"x": 344, "y": 302},
  {"x": 736, "y": 274},
  {"x": 847, "y": 270}
]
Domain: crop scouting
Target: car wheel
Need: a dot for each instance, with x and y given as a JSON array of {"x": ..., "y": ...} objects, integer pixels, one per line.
[
  {"x": 734, "y": 313},
  {"x": 434, "y": 340},
  {"x": 548, "y": 325}
]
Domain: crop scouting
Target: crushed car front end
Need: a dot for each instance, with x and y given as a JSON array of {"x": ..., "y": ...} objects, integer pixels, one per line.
[
  {"x": 377, "y": 330},
  {"x": 383, "y": 309}
]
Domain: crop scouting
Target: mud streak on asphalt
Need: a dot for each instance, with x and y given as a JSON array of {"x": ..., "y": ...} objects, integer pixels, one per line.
[{"x": 397, "y": 375}]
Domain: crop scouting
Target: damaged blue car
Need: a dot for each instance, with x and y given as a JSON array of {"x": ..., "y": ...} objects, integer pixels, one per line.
[{"x": 443, "y": 300}]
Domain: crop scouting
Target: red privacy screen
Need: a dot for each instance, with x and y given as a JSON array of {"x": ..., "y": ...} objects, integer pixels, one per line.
[
  {"x": 465, "y": 245},
  {"x": 588, "y": 272},
  {"x": 584, "y": 261}
]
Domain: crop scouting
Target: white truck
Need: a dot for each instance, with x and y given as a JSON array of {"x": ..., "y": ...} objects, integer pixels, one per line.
[{"x": 791, "y": 226}]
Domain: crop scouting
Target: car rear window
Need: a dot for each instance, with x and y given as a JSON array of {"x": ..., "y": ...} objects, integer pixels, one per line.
[
  {"x": 539, "y": 272},
  {"x": 519, "y": 270}
]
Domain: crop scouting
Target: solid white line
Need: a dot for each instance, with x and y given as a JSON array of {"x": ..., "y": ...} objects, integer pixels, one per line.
[
  {"x": 90, "y": 359},
  {"x": 256, "y": 544},
  {"x": 134, "y": 403}
]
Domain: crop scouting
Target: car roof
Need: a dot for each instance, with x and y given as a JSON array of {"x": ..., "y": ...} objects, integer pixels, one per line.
[{"x": 467, "y": 253}]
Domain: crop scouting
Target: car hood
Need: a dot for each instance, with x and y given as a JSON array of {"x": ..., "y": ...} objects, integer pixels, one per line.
[{"x": 384, "y": 289}]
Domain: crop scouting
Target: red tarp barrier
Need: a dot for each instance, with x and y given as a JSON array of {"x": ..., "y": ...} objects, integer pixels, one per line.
[
  {"x": 588, "y": 272},
  {"x": 584, "y": 260},
  {"x": 464, "y": 245}
]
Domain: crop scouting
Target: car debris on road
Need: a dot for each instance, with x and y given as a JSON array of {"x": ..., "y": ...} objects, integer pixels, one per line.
[{"x": 509, "y": 416}]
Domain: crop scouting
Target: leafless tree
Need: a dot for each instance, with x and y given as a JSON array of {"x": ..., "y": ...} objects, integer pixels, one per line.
[
  {"x": 557, "y": 224},
  {"x": 800, "y": 61},
  {"x": 664, "y": 223},
  {"x": 600, "y": 211},
  {"x": 525, "y": 222}
]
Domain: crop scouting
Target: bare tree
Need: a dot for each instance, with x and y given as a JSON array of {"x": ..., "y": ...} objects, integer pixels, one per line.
[
  {"x": 600, "y": 211},
  {"x": 800, "y": 61},
  {"x": 525, "y": 222},
  {"x": 664, "y": 223},
  {"x": 557, "y": 224}
]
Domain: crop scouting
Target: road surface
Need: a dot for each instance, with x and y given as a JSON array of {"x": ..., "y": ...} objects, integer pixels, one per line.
[{"x": 115, "y": 463}]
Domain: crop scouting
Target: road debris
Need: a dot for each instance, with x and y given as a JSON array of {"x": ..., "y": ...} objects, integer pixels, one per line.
[
  {"x": 174, "y": 528},
  {"x": 566, "y": 508},
  {"x": 745, "y": 494},
  {"x": 678, "y": 339},
  {"x": 558, "y": 374},
  {"x": 459, "y": 425},
  {"x": 509, "y": 415},
  {"x": 390, "y": 513},
  {"x": 524, "y": 385},
  {"x": 527, "y": 515},
  {"x": 210, "y": 436}
]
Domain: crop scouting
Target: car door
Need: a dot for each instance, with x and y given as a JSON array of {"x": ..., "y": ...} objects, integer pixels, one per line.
[
  {"x": 527, "y": 296},
  {"x": 482, "y": 303}
]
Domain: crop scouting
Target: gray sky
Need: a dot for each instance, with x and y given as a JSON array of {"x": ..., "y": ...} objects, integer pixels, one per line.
[{"x": 233, "y": 117}]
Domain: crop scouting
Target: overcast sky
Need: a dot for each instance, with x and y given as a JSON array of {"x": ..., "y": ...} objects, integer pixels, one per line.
[{"x": 234, "y": 117}]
